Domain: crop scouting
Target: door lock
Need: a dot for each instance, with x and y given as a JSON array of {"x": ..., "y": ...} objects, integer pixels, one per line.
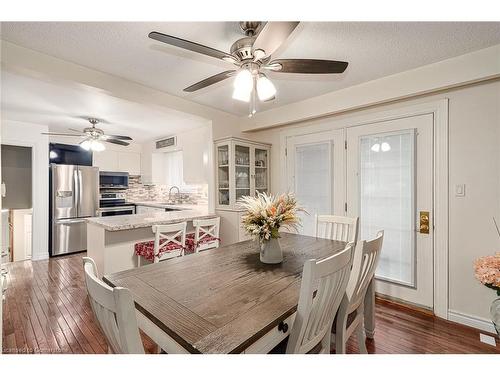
[{"x": 424, "y": 222}]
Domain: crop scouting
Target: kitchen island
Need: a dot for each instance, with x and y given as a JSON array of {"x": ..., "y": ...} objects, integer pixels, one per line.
[{"x": 111, "y": 240}]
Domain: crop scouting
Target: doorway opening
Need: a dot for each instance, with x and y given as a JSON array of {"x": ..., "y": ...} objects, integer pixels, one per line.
[{"x": 17, "y": 203}]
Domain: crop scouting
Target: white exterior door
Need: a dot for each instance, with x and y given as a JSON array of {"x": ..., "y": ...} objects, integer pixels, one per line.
[
  {"x": 389, "y": 186},
  {"x": 315, "y": 174}
]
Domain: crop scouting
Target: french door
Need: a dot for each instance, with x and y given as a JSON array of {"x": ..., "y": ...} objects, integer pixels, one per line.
[
  {"x": 385, "y": 177},
  {"x": 315, "y": 173},
  {"x": 389, "y": 186}
]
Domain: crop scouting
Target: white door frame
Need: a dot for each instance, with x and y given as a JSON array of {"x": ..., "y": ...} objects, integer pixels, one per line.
[
  {"x": 439, "y": 110},
  {"x": 36, "y": 218}
]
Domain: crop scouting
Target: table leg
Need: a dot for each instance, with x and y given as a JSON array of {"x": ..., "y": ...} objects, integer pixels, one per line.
[{"x": 370, "y": 310}]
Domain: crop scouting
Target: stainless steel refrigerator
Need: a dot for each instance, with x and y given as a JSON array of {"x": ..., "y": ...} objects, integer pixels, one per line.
[{"x": 74, "y": 197}]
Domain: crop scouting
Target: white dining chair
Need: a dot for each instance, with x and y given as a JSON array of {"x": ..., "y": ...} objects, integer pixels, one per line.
[
  {"x": 169, "y": 242},
  {"x": 115, "y": 312},
  {"x": 206, "y": 235},
  {"x": 340, "y": 228},
  {"x": 350, "y": 316},
  {"x": 328, "y": 277}
]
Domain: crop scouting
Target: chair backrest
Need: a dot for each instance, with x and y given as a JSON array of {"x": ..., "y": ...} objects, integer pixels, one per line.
[
  {"x": 340, "y": 228},
  {"x": 115, "y": 311},
  {"x": 166, "y": 235},
  {"x": 205, "y": 228},
  {"x": 365, "y": 260},
  {"x": 314, "y": 319}
]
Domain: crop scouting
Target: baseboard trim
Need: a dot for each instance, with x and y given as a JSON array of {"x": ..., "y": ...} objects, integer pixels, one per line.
[
  {"x": 39, "y": 257},
  {"x": 471, "y": 321}
]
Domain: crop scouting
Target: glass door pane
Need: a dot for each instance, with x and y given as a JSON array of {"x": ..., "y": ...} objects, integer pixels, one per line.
[
  {"x": 261, "y": 171},
  {"x": 313, "y": 189},
  {"x": 387, "y": 199},
  {"x": 223, "y": 174},
  {"x": 242, "y": 170}
]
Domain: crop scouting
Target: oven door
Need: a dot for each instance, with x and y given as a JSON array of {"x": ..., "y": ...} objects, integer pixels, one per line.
[{"x": 116, "y": 211}]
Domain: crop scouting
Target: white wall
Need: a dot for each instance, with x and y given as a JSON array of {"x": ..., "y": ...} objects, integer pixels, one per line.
[
  {"x": 23, "y": 134},
  {"x": 22, "y": 234},
  {"x": 474, "y": 160}
]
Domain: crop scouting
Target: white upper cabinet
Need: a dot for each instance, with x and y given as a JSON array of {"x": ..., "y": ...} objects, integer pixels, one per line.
[
  {"x": 129, "y": 162},
  {"x": 106, "y": 160},
  {"x": 118, "y": 161}
]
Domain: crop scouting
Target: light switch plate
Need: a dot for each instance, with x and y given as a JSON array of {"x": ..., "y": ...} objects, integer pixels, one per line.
[{"x": 460, "y": 190}]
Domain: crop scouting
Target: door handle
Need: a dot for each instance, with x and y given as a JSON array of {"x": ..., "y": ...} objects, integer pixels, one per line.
[
  {"x": 424, "y": 225},
  {"x": 70, "y": 221},
  {"x": 80, "y": 181},
  {"x": 76, "y": 189}
]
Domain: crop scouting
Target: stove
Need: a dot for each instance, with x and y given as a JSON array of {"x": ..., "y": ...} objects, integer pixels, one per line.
[{"x": 114, "y": 204}]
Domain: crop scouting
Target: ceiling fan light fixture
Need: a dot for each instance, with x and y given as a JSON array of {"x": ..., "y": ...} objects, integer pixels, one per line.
[
  {"x": 242, "y": 95},
  {"x": 244, "y": 80},
  {"x": 91, "y": 144},
  {"x": 265, "y": 88}
]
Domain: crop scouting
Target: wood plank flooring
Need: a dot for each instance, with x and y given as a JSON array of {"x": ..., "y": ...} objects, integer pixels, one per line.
[{"x": 47, "y": 311}]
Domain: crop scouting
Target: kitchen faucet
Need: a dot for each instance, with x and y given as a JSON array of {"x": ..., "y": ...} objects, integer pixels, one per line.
[{"x": 170, "y": 192}]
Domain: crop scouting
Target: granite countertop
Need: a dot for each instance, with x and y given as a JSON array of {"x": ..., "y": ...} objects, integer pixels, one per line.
[{"x": 126, "y": 222}]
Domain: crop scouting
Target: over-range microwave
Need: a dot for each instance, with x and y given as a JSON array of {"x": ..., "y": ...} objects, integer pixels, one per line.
[{"x": 113, "y": 180}]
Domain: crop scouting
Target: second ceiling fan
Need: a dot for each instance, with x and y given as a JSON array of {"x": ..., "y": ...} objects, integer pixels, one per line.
[{"x": 252, "y": 57}]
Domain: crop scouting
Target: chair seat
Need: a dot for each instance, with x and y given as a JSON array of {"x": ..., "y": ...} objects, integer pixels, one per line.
[
  {"x": 191, "y": 244},
  {"x": 146, "y": 249}
]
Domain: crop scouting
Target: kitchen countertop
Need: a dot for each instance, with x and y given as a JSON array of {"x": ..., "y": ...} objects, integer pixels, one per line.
[
  {"x": 126, "y": 222},
  {"x": 180, "y": 206}
]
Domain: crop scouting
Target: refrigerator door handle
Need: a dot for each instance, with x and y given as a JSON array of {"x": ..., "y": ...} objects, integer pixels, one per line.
[
  {"x": 69, "y": 221},
  {"x": 76, "y": 190},
  {"x": 80, "y": 187}
]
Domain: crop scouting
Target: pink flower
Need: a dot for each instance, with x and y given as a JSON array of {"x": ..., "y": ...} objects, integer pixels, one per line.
[{"x": 487, "y": 270}]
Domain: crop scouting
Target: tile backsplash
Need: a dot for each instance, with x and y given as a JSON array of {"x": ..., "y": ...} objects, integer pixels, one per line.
[{"x": 138, "y": 192}]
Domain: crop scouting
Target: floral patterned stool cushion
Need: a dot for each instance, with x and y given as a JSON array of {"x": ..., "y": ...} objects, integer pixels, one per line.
[
  {"x": 191, "y": 245},
  {"x": 146, "y": 249}
]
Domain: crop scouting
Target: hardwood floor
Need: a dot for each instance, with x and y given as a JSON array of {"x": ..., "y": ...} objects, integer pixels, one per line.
[{"x": 47, "y": 311}]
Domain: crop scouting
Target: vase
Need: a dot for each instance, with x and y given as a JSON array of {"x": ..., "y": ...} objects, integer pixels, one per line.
[
  {"x": 270, "y": 251},
  {"x": 495, "y": 314}
]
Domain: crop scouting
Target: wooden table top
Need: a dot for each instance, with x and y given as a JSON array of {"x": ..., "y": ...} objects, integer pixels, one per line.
[{"x": 222, "y": 300}]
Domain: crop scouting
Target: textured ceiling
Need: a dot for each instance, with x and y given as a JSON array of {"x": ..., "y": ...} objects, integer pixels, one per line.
[
  {"x": 373, "y": 50},
  {"x": 63, "y": 105}
]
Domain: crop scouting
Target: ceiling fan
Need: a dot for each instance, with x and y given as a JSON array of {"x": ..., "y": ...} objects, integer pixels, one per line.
[
  {"x": 252, "y": 57},
  {"x": 93, "y": 137}
]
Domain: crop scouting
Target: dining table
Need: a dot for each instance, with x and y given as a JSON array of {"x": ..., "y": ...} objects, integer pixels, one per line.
[{"x": 225, "y": 300}]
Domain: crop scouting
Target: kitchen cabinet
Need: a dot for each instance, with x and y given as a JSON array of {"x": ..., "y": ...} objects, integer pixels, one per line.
[
  {"x": 231, "y": 230},
  {"x": 129, "y": 162},
  {"x": 242, "y": 169},
  {"x": 118, "y": 161}
]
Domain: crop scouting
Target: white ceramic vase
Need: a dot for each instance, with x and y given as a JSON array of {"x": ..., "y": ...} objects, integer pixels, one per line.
[{"x": 270, "y": 251}]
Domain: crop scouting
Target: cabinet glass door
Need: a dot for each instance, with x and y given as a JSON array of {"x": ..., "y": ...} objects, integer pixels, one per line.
[
  {"x": 223, "y": 174},
  {"x": 261, "y": 171},
  {"x": 242, "y": 170}
]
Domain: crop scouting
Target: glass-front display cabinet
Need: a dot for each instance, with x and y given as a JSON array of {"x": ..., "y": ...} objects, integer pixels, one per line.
[{"x": 242, "y": 169}]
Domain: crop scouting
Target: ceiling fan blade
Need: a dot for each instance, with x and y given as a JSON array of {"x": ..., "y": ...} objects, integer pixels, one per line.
[
  {"x": 273, "y": 35},
  {"x": 307, "y": 66},
  {"x": 122, "y": 137},
  {"x": 74, "y": 130},
  {"x": 210, "y": 81},
  {"x": 116, "y": 142},
  {"x": 191, "y": 46},
  {"x": 65, "y": 134}
]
